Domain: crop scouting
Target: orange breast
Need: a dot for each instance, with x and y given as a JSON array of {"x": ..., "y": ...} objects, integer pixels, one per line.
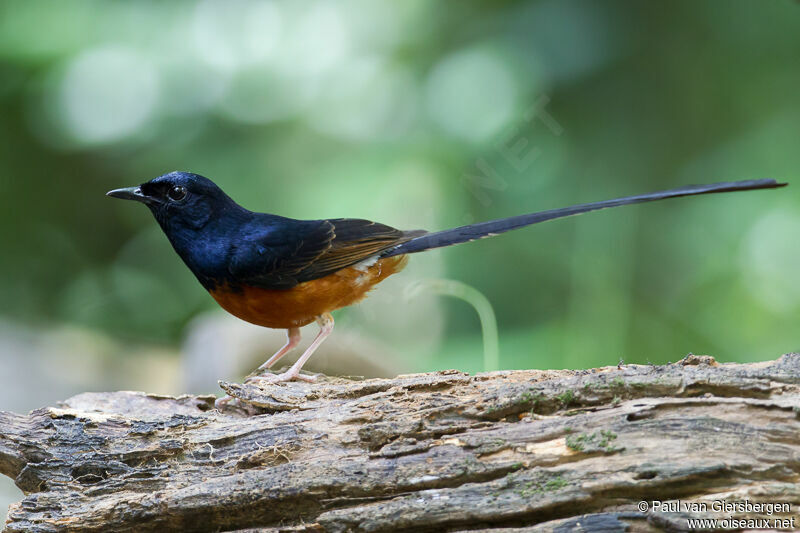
[{"x": 302, "y": 304}]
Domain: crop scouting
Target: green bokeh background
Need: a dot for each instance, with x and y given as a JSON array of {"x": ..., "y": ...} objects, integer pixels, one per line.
[{"x": 387, "y": 110}]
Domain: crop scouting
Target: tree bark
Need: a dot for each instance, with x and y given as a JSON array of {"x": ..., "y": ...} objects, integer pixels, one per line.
[{"x": 503, "y": 451}]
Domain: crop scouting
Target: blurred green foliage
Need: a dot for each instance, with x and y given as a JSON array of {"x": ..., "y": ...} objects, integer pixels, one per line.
[{"x": 383, "y": 110}]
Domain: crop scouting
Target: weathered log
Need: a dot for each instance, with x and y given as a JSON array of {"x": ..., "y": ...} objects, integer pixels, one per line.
[{"x": 503, "y": 451}]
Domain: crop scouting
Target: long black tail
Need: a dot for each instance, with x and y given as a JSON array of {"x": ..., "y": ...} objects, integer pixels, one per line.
[{"x": 491, "y": 228}]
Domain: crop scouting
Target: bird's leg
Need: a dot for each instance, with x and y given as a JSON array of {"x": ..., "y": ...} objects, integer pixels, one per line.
[
  {"x": 292, "y": 340},
  {"x": 325, "y": 322}
]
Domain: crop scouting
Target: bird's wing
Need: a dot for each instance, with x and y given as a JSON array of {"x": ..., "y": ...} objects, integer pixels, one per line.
[
  {"x": 355, "y": 240},
  {"x": 304, "y": 250}
]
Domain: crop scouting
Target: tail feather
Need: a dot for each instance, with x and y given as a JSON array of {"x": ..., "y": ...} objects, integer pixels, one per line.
[{"x": 491, "y": 228}]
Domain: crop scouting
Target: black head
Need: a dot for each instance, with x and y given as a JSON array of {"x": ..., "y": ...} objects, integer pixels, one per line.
[
  {"x": 180, "y": 201},
  {"x": 197, "y": 217}
]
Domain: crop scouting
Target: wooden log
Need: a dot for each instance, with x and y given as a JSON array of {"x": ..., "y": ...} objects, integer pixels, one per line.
[{"x": 446, "y": 451}]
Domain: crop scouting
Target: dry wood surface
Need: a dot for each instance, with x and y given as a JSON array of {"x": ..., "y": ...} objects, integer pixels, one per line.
[{"x": 504, "y": 451}]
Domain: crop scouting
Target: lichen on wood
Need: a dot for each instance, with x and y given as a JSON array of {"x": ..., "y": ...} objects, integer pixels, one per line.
[{"x": 503, "y": 451}]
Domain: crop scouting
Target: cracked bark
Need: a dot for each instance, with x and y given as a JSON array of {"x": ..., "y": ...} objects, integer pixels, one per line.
[{"x": 504, "y": 451}]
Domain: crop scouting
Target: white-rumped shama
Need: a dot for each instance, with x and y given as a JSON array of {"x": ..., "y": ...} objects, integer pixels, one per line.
[{"x": 284, "y": 273}]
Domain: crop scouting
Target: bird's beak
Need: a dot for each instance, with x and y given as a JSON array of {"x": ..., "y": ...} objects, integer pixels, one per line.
[{"x": 130, "y": 193}]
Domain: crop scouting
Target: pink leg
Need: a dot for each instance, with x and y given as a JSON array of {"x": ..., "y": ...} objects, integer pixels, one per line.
[
  {"x": 325, "y": 322},
  {"x": 292, "y": 340}
]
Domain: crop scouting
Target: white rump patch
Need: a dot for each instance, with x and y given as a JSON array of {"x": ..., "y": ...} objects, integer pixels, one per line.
[{"x": 364, "y": 265}]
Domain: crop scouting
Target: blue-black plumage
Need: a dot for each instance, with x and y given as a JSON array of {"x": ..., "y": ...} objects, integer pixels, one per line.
[{"x": 281, "y": 272}]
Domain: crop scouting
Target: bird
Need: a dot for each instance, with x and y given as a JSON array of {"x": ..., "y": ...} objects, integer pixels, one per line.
[{"x": 285, "y": 273}]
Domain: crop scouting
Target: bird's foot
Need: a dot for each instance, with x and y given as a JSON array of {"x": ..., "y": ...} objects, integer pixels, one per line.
[
  {"x": 232, "y": 406},
  {"x": 283, "y": 377},
  {"x": 222, "y": 403}
]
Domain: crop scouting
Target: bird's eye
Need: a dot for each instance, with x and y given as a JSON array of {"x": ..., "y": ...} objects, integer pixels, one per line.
[{"x": 177, "y": 193}]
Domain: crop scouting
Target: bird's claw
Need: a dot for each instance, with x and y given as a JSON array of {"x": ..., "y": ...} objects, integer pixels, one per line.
[
  {"x": 221, "y": 404},
  {"x": 280, "y": 378}
]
